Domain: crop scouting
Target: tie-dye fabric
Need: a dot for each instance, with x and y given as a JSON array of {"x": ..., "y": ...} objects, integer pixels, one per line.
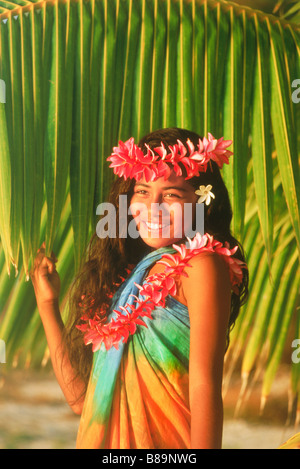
[{"x": 138, "y": 395}]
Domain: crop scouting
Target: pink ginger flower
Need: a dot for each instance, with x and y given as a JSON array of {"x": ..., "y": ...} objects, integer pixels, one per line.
[
  {"x": 213, "y": 149},
  {"x": 126, "y": 158}
]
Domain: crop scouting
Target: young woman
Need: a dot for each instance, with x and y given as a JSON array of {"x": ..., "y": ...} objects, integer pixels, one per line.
[{"x": 141, "y": 357}]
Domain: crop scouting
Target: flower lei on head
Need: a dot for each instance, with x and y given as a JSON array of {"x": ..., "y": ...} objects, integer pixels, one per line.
[
  {"x": 154, "y": 291},
  {"x": 129, "y": 161}
]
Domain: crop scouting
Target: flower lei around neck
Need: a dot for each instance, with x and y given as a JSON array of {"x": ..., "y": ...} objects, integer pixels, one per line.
[{"x": 154, "y": 291}]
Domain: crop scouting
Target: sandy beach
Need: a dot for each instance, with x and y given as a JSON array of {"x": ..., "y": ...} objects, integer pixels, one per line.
[{"x": 34, "y": 415}]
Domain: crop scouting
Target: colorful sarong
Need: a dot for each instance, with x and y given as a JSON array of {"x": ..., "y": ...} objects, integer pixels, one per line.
[{"x": 138, "y": 395}]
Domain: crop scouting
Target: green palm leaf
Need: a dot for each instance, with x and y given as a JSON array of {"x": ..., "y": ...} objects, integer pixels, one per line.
[
  {"x": 284, "y": 125},
  {"x": 81, "y": 75},
  {"x": 235, "y": 174},
  {"x": 261, "y": 137},
  {"x": 58, "y": 125}
]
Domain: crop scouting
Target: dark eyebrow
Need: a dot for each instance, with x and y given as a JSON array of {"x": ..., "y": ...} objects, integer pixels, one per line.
[
  {"x": 164, "y": 188},
  {"x": 175, "y": 187}
]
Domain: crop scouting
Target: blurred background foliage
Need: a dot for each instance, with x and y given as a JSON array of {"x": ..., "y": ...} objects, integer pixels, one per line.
[{"x": 82, "y": 74}]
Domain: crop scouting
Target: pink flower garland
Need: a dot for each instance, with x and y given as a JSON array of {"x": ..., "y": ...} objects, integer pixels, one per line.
[
  {"x": 128, "y": 160},
  {"x": 155, "y": 290}
]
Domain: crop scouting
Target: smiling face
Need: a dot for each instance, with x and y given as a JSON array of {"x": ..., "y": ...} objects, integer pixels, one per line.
[{"x": 163, "y": 210}]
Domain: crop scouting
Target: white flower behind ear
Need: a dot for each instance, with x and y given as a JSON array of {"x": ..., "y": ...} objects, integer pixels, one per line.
[{"x": 204, "y": 192}]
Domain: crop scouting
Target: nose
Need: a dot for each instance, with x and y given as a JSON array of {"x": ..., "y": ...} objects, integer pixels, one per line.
[
  {"x": 155, "y": 198},
  {"x": 158, "y": 210}
]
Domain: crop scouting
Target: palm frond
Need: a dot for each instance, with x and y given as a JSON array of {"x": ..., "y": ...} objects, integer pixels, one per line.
[{"x": 81, "y": 74}]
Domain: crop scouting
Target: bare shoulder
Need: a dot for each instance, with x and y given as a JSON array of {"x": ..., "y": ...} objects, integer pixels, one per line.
[
  {"x": 207, "y": 263},
  {"x": 207, "y": 273}
]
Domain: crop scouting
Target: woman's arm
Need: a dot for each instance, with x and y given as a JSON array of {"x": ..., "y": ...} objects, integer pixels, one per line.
[
  {"x": 46, "y": 283},
  {"x": 208, "y": 294}
]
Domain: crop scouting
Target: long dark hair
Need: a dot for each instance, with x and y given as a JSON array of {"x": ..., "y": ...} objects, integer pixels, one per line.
[{"x": 109, "y": 258}]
